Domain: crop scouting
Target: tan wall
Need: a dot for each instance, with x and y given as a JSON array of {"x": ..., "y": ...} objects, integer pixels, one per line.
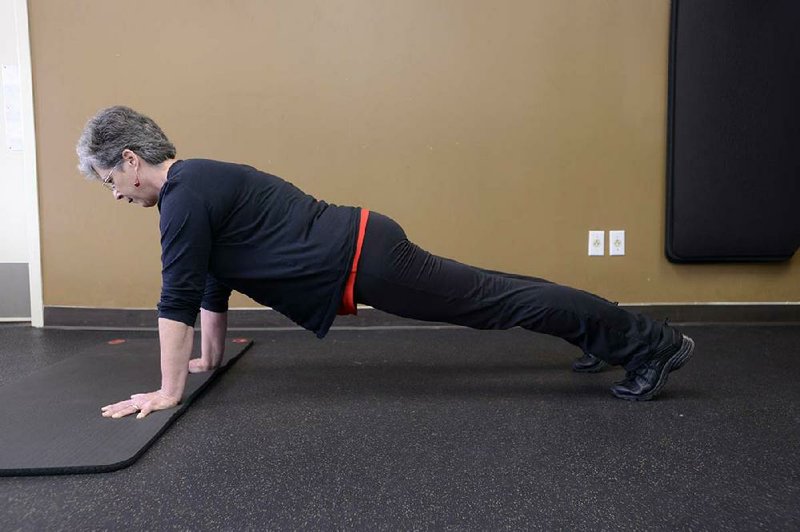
[{"x": 498, "y": 133}]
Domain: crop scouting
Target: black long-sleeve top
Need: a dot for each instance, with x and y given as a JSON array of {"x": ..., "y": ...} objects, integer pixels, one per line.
[{"x": 229, "y": 226}]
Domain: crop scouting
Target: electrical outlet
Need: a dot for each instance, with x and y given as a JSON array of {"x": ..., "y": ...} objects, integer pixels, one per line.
[
  {"x": 597, "y": 243},
  {"x": 616, "y": 242}
]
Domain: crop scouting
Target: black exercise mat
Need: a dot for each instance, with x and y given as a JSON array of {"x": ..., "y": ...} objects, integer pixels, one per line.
[{"x": 51, "y": 423}]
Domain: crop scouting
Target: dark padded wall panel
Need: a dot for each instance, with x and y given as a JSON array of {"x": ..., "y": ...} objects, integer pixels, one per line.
[{"x": 733, "y": 165}]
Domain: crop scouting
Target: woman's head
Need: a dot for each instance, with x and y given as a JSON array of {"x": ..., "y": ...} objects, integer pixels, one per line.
[{"x": 115, "y": 129}]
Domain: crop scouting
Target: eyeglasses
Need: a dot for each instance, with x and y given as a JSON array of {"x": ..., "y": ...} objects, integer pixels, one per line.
[{"x": 107, "y": 181}]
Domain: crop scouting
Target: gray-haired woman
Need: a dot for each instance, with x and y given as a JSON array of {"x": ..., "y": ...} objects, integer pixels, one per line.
[{"x": 231, "y": 227}]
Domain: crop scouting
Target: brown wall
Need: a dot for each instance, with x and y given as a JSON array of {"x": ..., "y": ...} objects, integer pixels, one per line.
[{"x": 498, "y": 133}]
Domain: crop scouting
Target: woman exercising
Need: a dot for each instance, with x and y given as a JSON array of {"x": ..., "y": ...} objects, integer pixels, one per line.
[{"x": 231, "y": 227}]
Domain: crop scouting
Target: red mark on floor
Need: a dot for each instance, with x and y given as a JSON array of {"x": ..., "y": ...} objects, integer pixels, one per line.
[
  {"x": 117, "y": 341},
  {"x": 240, "y": 340}
]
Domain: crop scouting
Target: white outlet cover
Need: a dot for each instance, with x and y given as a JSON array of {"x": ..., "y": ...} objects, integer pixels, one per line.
[
  {"x": 597, "y": 243},
  {"x": 616, "y": 243}
]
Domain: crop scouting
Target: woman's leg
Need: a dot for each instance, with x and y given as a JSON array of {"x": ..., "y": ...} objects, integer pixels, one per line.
[{"x": 397, "y": 276}]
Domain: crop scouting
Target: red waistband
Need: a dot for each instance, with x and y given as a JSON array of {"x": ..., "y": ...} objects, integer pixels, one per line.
[{"x": 348, "y": 305}]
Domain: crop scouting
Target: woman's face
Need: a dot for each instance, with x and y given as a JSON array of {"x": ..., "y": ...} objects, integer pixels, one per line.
[{"x": 121, "y": 181}]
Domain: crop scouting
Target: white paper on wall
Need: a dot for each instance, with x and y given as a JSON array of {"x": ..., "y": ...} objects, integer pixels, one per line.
[{"x": 12, "y": 107}]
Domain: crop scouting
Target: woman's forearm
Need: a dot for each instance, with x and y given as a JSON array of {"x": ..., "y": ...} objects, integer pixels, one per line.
[
  {"x": 176, "y": 348},
  {"x": 213, "y": 326}
]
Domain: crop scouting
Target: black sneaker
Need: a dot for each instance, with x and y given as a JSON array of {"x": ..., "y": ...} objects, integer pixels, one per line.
[
  {"x": 646, "y": 381},
  {"x": 588, "y": 363}
]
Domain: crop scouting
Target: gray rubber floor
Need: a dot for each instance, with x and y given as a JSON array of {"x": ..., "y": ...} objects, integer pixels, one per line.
[{"x": 443, "y": 430}]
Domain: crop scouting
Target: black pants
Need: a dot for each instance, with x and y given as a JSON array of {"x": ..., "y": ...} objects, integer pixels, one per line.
[{"x": 397, "y": 276}]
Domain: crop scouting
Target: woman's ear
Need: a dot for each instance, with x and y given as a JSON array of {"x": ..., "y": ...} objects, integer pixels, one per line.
[{"x": 130, "y": 157}]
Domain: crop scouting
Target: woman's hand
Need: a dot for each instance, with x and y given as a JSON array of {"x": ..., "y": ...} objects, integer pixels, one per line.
[{"x": 144, "y": 403}]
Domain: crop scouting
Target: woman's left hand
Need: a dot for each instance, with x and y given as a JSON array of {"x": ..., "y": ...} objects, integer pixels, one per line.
[{"x": 144, "y": 403}]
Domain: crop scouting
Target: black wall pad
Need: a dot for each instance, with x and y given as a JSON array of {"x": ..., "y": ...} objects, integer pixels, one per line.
[
  {"x": 733, "y": 162},
  {"x": 51, "y": 424}
]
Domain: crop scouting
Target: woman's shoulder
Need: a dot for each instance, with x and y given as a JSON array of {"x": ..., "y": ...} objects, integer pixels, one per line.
[
  {"x": 201, "y": 166},
  {"x": 215, "y": 170},
  {"x": 190, "y": 180},
  {"x": 213, "y": 181}
]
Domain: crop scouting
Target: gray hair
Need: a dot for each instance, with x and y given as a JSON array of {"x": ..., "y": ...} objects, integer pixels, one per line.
[{"x": 115, "y": 129}]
